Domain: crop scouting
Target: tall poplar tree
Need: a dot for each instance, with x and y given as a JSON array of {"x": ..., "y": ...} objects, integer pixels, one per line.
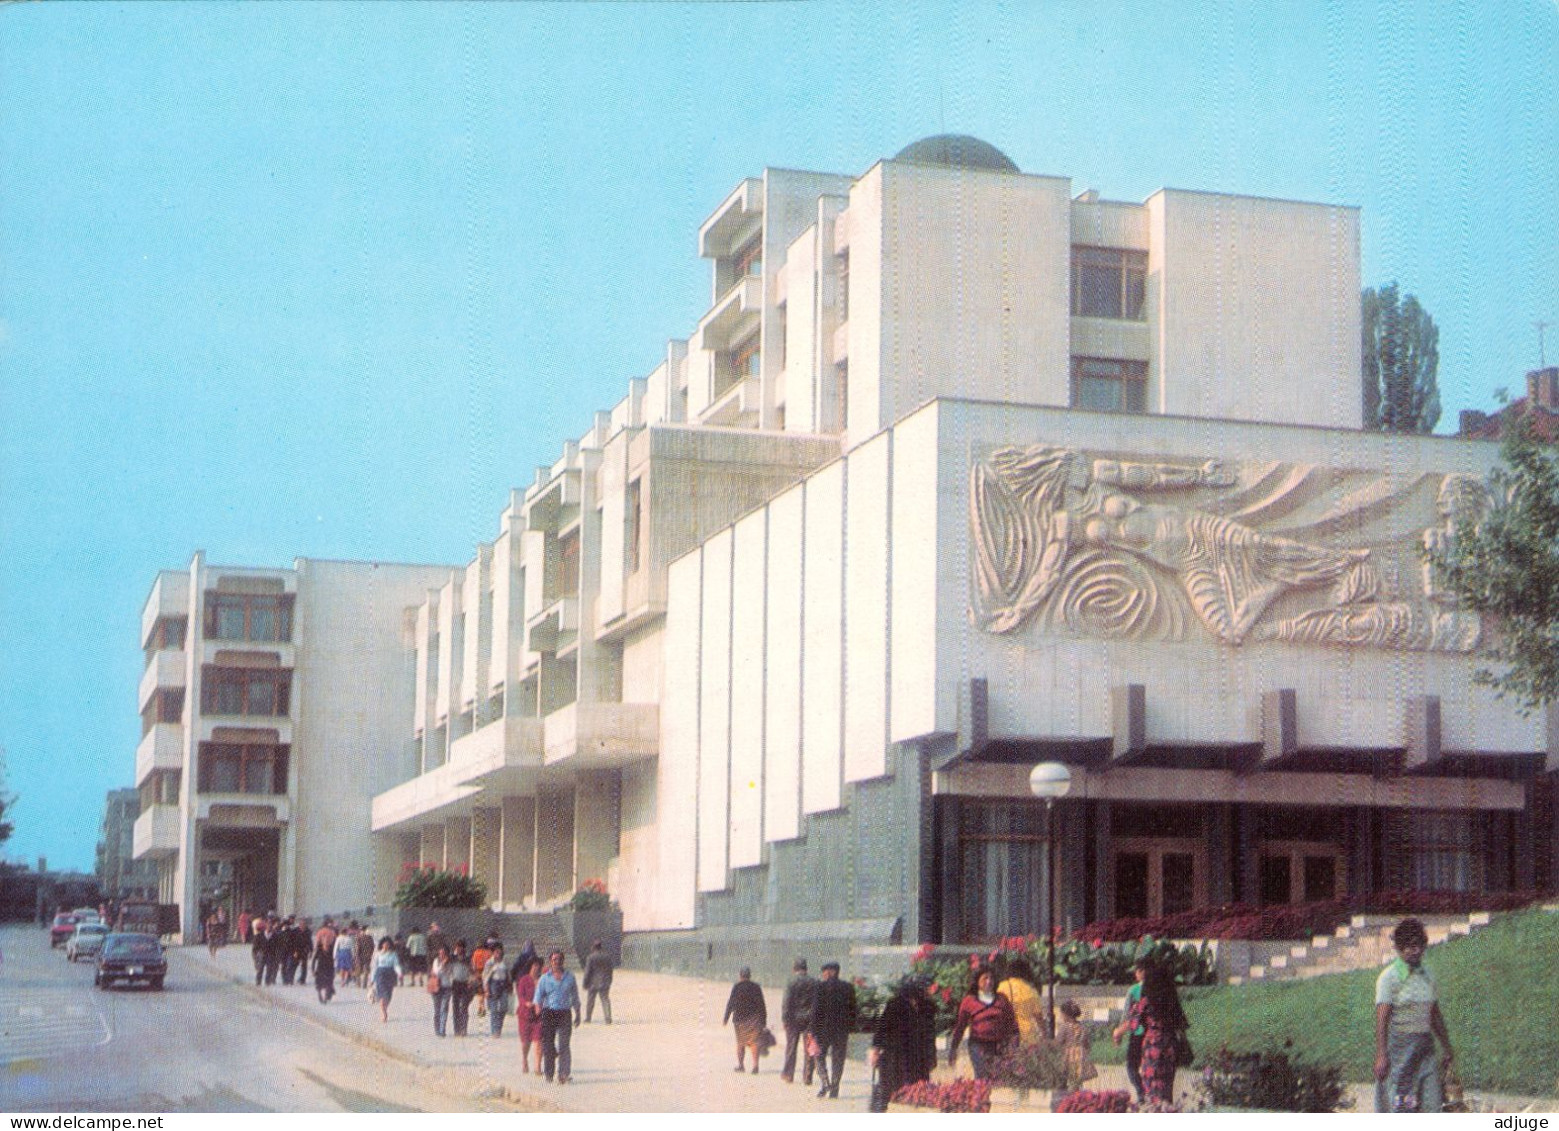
[{"x": 1401, "y": 363}]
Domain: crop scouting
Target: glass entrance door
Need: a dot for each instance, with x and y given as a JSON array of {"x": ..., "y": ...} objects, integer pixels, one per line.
[
  {"x": 1158, "y": 876},
  {"x": 1301, "y": 871}
]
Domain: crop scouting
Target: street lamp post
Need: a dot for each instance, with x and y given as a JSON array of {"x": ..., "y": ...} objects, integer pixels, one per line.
[{"x": 1050, "y": 780}]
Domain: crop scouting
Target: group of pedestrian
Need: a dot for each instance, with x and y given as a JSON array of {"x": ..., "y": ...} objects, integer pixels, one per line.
[
  {"x": 280, "y": 949},
  {"x": 818, "y": 1015}
]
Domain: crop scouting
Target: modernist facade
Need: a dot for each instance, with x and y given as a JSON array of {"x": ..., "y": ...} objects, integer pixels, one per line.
[
  {"x": 959, "y": 472},
  {"x": 273, "y": 703}
]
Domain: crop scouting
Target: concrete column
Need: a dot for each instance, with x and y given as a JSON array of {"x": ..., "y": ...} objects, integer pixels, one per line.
[
  {"x": 457, "y": 843},
  {"x": 1071, "y": 865},
  {"x": 485, "y": 847},
  {"x": 1103, "y": 866},
  {"x": 952, "y": 924},
  {"x": 554, "y": 845},
  {"x": 517, "y": 850},
  {"x": 430, "y": 849},
  {"x": 597, "y": 797}
]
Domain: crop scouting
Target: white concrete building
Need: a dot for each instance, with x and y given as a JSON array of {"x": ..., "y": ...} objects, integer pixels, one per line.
[
  {"x": 959, "y": 472},
  {"x": 271, "y": 706}
]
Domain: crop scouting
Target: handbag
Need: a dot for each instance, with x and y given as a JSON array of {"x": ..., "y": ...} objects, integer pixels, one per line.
[
  {"x": 766, "y": 1041},
  {"x": 1451, "y": 1090},
  {"x": 814, "y": 1049},
  {"x": 434, "y": 985},
  {"x": 1185, "y": 1055}
]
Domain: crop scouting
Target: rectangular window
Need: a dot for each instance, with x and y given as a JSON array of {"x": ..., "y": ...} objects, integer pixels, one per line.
[
  {"x": 242, "y": 768},
  {"x": 1109, "y": 282},
  {"x": 748, "y": 261},
  {"x": 568, "y": 567},
  {"x": 243, "y": 616},
  {"x": 1109, "y": 385},
  {"x": 746, "y": 359},
  {"x": 633, "y": 516},
  {"x": 245, "y": 691}
]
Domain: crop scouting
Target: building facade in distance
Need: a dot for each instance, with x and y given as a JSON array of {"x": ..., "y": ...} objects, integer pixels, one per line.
[{"x": 119, "y": 874}]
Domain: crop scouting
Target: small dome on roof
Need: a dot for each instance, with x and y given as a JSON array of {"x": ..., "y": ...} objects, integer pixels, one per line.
[{"x": 957, "y": 151}]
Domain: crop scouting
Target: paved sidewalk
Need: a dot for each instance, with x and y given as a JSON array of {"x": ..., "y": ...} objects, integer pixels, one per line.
[{"x": 665, "y": 1052}]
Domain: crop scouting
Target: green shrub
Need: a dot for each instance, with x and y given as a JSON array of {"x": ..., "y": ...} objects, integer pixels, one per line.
[
  {"x": 1274, "y": 1080},
  {"x": 591, "y": 896},
  {"x": 1040, "y": 1065},
  {"x": 429, "y": 887}
]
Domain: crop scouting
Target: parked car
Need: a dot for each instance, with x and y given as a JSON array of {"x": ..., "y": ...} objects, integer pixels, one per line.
[
  {"x": 130, "y": 958},
  {"x": 86, "y": 914},
  {"x": 86, "y": 941},
  {"x": 63, "y": 927}
]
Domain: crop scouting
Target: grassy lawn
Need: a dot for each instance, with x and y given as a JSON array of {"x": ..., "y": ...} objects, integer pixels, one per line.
[{"x": 1499, "y": 991}]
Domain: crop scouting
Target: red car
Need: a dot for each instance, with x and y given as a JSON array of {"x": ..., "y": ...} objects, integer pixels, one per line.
[{"x": 64, "y": 926}]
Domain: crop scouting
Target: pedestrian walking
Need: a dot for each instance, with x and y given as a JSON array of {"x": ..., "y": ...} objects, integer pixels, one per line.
[
  {"x": 461, "y": 980},
  {"x": 833, "y": 1019},
  {"x": 363, "y": 958},
  {"x": 386, "y": 973},
  {"x": 479, "y": 957},
  {"x": 1027, "y": 1006},
  {"x": 259, "y": 947},
  {"x": 1076, "y": 1042},
  {"x": 1134, "y": 1034},
  {"x": 1164, "y": 1026},
  {"x": 796, "y": 1016},
  {"x": 988, "y": 1020},
  {"x": 417, "y": 956},
  {"x": 557, "y": 997},
  {"x": 527, "y": 1015},
  {"x": 598, "y": 982},
  {"x": 903, "y": 1048},
  {"x": 750, "y": 1014},
  {"x": 346, "y": 953},
  {"x": 440, "y": 992},
  {"x": 324, "y": 969},
  {"x": 497, "y": 981},
  {"x": 1407, "y": 1024}
]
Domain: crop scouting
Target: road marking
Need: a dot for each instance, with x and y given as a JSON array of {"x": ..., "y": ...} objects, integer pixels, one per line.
[{"x": 48, "y": 1024}]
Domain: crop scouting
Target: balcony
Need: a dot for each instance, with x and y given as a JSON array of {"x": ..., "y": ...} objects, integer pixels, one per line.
[
  {"x": 600, "y": 736},
  {"x": 737, "y": 407},
  {"x": 734, "y": 316},
  {"x": 165, "y": 672},
  {"x": 503, "y": 757},
  {"x": 243, "y": 810},
  {"x": 161, "y": 749},
  {"x": 169, "y": 598},
  {"x": 553, "y": 627},
  {"x": 156, "y": 832},
  {"x": 555, "y": 502}
]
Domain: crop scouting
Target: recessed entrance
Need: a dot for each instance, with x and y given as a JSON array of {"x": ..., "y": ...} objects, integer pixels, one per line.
[{"x": 1158, "y": 875}]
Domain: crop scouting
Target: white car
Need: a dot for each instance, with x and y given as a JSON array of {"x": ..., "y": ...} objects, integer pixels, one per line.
[{"x": 85, "y": 941}]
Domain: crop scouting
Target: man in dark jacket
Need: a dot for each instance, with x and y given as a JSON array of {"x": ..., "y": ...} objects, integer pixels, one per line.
[
  {"x": 833, "y": 1017},
  {"x": 598, "y": 982},
  {"x": 796, "y": 1014},
  {"x": 904, "y": 1044}
]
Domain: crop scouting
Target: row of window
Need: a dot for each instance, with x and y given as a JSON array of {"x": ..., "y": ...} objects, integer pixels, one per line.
[
  {"x": 242, "y": 768},
  {"x": 246, "y": 691},
  {"x": 249, "y": 616}
]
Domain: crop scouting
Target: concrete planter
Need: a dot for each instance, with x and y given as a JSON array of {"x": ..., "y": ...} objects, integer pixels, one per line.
[
  {"x": 583, "y": 928},
  {"x": 1024, "y": 1099}
]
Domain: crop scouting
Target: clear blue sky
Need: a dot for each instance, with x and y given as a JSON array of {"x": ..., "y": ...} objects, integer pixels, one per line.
[{"x": 326, "y": 280}]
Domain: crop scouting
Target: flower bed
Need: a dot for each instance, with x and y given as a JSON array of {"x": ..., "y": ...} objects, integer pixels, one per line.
[
  {"x": 1086, "y": 1102},
  {"x": 957, "y": 1096}
]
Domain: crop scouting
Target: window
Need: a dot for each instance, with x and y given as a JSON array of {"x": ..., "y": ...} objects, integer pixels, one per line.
[
  {"x": 745, "y": 359},
  {"x": 167, "y": 633},
  {"x": 633, "y": 517},
  {"x": 1109, "y": 282},
  {"x": 245, "y": 691},
  {"x": 242, "y": 768},
  {"x": 748, "y": 261},
  {"x": 160, "y": 788},
  {"x": 1109, "y": 385},
  {"x": 1441, "y": 854},
  {"x": 844, "y": 287},
  {"x": 568, "y": 567},
  {"x": 243, "y": 616}
]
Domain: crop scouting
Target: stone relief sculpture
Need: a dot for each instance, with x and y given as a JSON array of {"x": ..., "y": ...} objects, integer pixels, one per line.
[{"x": 1089, "y": 544}]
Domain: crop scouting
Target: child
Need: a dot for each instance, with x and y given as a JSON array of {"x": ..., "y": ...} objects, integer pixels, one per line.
[{"x": 1075, "y": 1040}]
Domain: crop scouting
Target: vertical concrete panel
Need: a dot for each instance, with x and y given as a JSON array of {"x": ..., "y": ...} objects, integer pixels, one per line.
[
  {"x": 748, "y": 587},
  {"x": 613, "y": 493},
  {"x": 823, "y": 671},
  {"x": 554, "y": 845},
  {"x": 714, "y": 717},
  {"x": 486, "y": 845},
  {"x": 595, "y": 823},
  {"x": 431, "y": 848},
  {"x": 676, "y": 808},
  {"x": 457, "y": 843},
  {"x": 508, "y": 618},
  {"x": 782, "y": 704},
  {"x": 638, "y": 873},
  {"x": 866, "y": 611},
  {"x": 914, "y": 550},
  {"x": 449, "y": 658},
  {"x": 517, "y": 877}
]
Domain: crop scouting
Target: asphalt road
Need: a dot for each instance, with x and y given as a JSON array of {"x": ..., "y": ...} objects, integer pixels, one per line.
[{"x": 202, "y": 1044}]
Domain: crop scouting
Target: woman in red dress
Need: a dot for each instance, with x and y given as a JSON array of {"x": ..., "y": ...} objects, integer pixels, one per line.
[
  {"x": 1163, "y": 1023},
  {"x": 527, "y": 1016}
]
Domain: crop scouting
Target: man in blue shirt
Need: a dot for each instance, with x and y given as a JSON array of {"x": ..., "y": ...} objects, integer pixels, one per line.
[{"x": 557, "y": 996}]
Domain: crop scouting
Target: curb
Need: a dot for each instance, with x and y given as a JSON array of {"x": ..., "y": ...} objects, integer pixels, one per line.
[{"x": 518, "y": 1098}]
